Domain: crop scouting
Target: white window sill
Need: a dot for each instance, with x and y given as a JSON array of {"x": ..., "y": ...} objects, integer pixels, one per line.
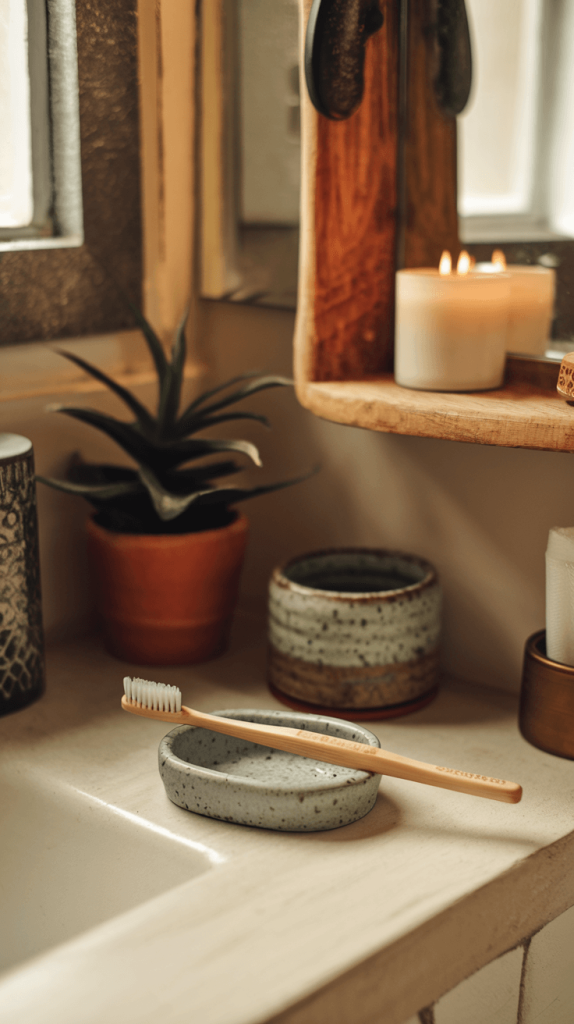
[{"x": 24, "y": 244}]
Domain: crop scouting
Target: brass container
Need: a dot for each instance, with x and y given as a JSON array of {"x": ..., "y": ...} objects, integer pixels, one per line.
[{"x": 546, "y": 700}]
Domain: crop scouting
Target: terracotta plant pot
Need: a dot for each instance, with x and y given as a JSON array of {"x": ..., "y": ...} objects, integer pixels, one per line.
[
  {"x": 167, "y": 599},
  {"x": 354, "y": 632}
]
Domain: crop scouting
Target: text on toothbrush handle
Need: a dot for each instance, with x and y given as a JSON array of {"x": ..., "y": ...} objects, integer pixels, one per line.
[{"x": 470, "y": 775}]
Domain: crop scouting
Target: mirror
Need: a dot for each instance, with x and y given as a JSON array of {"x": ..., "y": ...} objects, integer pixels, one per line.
[
  {"x": 515, "y": 147},
  {"x": 516, "y": 143},
  {"x": 515, "y": 150},
  {"x": 250, "y": 151}
]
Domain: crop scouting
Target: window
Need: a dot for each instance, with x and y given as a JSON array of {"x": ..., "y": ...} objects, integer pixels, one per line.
[
  {"x": 516, "y": 159},
  {"x": 250, "y": 151},
  {"x": 16, "y": 175},
  {"x": 59, "y": 273},
  {"x": 40, "y": 174}
]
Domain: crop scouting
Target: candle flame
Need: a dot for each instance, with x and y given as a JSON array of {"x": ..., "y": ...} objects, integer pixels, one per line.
[
  {"x": 445, "y": 265},
  {"x": 463, "y": 265},
  {"x": 499, "y": 259}
]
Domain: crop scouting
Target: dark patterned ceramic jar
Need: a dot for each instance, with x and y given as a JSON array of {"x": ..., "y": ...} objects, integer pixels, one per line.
[
  {"x": 355, "y": 630},
  {"x": 21, "y": 634}
]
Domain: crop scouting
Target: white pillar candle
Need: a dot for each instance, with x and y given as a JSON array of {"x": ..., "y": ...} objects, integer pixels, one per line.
[
  {"x": 531, "y": 306},
  {"x": 560, "y": 595},
  {"x": 450, "y": 330}
]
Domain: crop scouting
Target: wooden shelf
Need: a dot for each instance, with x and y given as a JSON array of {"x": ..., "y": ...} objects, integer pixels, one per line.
[
  {"x": 520, "y": 415},
  {"x": 351, "y": 221}
]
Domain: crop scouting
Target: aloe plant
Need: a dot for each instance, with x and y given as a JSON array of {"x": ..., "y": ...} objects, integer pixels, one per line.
[{"x": 166, "y": 491}]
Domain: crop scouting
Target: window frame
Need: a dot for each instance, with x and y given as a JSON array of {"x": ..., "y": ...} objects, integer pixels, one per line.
[{"x": 166, "y": 154}]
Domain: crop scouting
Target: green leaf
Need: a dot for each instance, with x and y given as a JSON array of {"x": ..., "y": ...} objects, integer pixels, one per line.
[
  {"x": 194, "y": 448},
  {"x": 232, "y": 494},
  {"x": 101, "y": 492},
  {"x": 210, "y": 421},
  {"x": 261, "y": 384},
  {"x": 124, "y": 434},
  {"x": 144, "y": 418},
  {"x": 179, "y": 348},
  {"x": 157, "y": 456},
  {"x": 170, "y": 394},
  {"x": 180, "y": 478},
  {"x": 167, "y": 505},
  {"x": 220, "y": 387},
  {"x": 80, "y": 472},
  {"x": 187, "y": 420},
  {"x": 153, "y": 343}
]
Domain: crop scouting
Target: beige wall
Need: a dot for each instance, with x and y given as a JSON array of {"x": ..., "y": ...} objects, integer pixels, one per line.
[{"x": 481, "y": 514}]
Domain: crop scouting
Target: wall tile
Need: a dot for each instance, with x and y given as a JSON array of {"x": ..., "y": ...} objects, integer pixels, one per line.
[
  {"x": 548, "y": 996},
  {"x": 488, "y": 997}
]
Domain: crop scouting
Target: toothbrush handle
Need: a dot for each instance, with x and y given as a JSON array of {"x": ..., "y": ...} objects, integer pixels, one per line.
[
  {"x": 342, "y": 752},
  {"x": 357, "y": 755}
]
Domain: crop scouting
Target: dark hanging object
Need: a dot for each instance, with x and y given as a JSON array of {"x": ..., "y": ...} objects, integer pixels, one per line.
[
  {"x": 337, "y": 32},
  {"x": 454, "y": 57}
]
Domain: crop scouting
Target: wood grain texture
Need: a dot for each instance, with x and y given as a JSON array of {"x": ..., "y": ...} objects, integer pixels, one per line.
[
  {"x": 430, "y": 151},
  {"x": 515, "y": 416},
  {"x": 350, "y": 194},
  {"x": 350, "y": 213},
  {"x": 305, "y": 335},
  {"x": 218, "y": 151},
  {"x": 355, "y": 222},
  {"x": 166, "y": 64}
]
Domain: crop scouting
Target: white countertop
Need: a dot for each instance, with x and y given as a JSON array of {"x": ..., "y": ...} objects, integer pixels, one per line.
[{"x": 365, "y": 923}]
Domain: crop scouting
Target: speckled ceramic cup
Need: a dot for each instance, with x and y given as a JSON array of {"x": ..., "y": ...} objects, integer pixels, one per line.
[{"x": 354, "y": 631}]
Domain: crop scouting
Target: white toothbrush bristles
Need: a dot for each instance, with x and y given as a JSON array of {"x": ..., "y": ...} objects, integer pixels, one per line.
[{"x": 156, "y": 696}]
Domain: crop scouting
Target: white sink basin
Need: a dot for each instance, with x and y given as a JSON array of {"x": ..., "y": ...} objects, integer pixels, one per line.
[{"x": 69, "y": 861}]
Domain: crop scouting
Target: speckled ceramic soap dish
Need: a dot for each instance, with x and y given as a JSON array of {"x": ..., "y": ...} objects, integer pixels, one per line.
[{"x": 235, "y": 780}]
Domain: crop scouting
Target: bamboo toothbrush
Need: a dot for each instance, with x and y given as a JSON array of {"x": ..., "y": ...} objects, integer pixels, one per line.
[{"x": 156, "y": 700}]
